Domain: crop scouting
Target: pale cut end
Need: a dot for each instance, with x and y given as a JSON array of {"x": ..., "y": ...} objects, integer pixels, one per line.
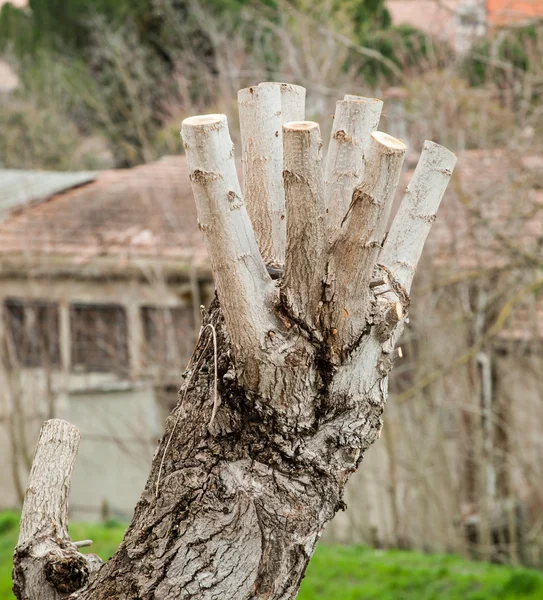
[
  {"x": 266, "y": 92},
  {"x": 361, "y": 99},
  {"x": 448, "y": 157},
  {"x": 301, "y": 125},
  {"x": 286, "y": 87},
  {"x": 388, "y": 141},
  {"x": 203, "y": 120}
]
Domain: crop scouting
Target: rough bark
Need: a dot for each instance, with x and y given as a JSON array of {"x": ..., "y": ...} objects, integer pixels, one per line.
[
  {"x": 254, "y": 460},
  {"x": 358, "y": 241}
]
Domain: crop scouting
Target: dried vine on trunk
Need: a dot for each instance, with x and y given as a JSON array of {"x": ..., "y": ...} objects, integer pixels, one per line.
[{"x": 243, "y": 482}]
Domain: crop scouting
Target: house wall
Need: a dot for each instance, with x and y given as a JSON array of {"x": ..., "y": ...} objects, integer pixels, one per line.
[
  {"x": 119, "y": 413},
  {"x": 119, "y": 430}
]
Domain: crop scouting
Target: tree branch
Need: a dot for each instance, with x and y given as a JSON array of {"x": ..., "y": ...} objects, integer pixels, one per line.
[
  {"x": 46, "y": 564},
  {"x": 356, "y": 117},
  {"x": 356, "y": 246},
  {"x": 243, "y": 284},
  {"x": 304, "y": 194},
  {"x": 413, "y": 221},
  {"x": 292, "y": 102},
  {"x": 261, "y": 110}
]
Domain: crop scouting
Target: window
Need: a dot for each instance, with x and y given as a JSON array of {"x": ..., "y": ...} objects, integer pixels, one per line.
[
  {"x": 32, "y": 332},
  {"x": 169, "y": 335},
  {"x": 99, "y": 338}
]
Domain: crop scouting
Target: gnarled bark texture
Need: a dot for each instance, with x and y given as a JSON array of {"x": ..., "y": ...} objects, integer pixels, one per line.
[{"x": 254, "y": 460}]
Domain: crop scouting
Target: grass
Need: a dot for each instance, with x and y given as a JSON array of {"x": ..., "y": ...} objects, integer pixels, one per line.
[
  {"x": 344, "y": 572},
  {"x": 359, "y": 573}
]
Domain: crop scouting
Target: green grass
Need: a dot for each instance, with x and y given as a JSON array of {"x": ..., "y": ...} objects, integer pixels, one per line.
[
  {"x": 344, "y": 573},
  {"x": 358, "y": 573}
]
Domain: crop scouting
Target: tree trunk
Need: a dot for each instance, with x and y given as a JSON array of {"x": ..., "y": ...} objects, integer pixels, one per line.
[{"x": 288, "y": 381}]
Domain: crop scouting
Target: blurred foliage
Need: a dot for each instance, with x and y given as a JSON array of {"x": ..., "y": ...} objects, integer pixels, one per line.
[
  {"x": 114, "y": 66},
  {"x": 456, "y": 115},
  {"x": 506, "y": 56},
  {"x": 128, "y": 70},
  {"x": 407, "y": 48},
  {"x": 342, "y": 573},
  {"x": 36, "y": 138}
]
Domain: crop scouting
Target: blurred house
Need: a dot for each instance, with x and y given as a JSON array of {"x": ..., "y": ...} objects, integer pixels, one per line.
[
  {"x": 101, "y": 279},
  {"x": 17, "y": 3},
  {"x": 8, "y": 78},
  {"x": 459, "y": 464},
  {"x": 507, "y": 12},
  {"x": 461, "y": 22}
]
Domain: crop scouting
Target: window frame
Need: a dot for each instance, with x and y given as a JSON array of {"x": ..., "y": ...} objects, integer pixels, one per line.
[
  {"x": 100, "y": 360},
  {"x": 36, "y": 357}
]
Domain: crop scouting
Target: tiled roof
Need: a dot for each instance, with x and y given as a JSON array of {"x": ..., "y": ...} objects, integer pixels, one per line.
[
  {"x": 506, "y": 12},
  {"x": 145, "y": 211}
]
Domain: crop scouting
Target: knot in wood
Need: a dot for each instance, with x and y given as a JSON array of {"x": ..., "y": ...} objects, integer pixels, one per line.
[
  {"x": 66, "y": 570},
  {"x": 341, "y": 136}
]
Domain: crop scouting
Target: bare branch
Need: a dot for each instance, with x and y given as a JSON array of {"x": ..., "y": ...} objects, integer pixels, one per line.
[
  {"x": 411, "y": 226},
  {"x": 357, "y": 243},
  {"x": 356, "y": 117},
  {"x": 261, "y": 110},
  {"x": 304, "y": 194},
  {"x": 244, "y": 286}
]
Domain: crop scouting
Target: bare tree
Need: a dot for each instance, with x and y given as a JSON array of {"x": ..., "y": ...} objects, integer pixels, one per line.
[{"x": 288, "y": 381}]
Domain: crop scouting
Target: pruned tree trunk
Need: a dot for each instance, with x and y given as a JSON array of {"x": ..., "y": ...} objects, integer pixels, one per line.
[{"x": 288, "y": 381}]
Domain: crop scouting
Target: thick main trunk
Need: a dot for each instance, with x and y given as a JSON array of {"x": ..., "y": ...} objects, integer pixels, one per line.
[{"x": 239, "y": 504}]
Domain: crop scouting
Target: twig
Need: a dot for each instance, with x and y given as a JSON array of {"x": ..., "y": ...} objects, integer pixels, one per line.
[{"x": 216, "y": 391}]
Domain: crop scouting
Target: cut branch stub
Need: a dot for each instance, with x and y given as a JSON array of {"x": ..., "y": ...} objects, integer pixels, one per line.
[
  {"x": 243, "y": 284},
  {"x": 358, "y": 241},
  {"x": 304, "y": 194},
  {"x": 46, "y": 564},
  {"x": 46, "y": 499},
  {"x": 413, "y": 221},
  {"x": 261, "y": 109},
  {"x": 355, "y": 118}
]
